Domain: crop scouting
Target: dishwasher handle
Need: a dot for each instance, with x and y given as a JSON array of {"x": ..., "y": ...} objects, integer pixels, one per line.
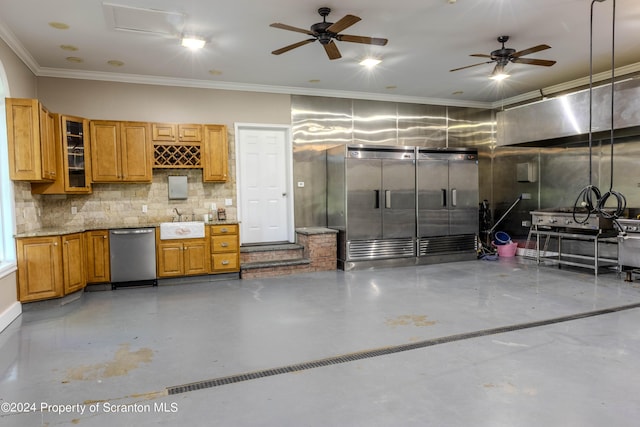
[{"x": 133, "y": 231}]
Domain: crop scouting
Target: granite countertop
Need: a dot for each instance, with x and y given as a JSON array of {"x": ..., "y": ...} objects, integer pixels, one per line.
[{"x": 70, "y": 229}]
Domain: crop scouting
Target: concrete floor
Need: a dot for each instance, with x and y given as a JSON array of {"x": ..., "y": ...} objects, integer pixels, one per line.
[{"x": 115, "y": 354}]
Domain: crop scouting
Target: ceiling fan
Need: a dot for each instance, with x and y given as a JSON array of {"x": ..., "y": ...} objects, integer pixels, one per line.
[
  {"x": 325, "y": 32},
  {"x": 505, "y": 55}
]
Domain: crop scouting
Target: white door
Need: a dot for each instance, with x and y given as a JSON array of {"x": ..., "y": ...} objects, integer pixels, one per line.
[{"x": 264, "y": 184}]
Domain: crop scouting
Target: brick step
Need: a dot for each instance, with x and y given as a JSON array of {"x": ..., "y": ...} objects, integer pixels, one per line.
[
  {"x": 275, "y": 252},
  {"x": 274, "y": 268}
]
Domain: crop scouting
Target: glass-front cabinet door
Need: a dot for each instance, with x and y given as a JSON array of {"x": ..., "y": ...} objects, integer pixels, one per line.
[{"x": 77, "y": 160}]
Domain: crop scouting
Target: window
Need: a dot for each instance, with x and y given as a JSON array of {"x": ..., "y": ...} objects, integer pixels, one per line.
[{"x": 7, "y": 227}]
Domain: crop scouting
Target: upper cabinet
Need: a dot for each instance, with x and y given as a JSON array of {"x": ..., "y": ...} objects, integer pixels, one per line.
[
  {"x": 121, "y": 151},
  {"x": 73, "y": 160},
  {"x": 31, "y": 132},
  {"x": 216, "y": 151},
  {"x": 169, "y": 132}
]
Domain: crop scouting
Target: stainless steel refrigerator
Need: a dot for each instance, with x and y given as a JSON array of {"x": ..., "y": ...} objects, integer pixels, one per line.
[
  {"x": 371, "y": 200},
  {"x": 447, "y": 187}
]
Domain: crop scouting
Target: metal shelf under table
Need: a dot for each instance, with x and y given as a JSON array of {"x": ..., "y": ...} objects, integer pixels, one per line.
[{"x": 595, "y": 262}]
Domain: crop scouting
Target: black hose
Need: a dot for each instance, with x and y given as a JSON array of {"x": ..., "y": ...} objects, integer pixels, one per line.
[{"x": 585, "y": 200}]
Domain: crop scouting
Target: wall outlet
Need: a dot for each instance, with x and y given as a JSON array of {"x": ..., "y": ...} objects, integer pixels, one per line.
[
  {"x": 214, "y": 207},
  {"x": 74, "y": 210},
  {"x": 228, "y": 202},
  {"x": 144, "y": 208},
  {"x": 300, "y": 184},
  {"x": 526, "y": 196}
]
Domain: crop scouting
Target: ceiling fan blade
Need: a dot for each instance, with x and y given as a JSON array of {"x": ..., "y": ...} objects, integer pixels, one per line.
[
  {"x": 292, "y": 46},
  {"x": 530, "y": 50},
  {"x": 480, "y": 55},
  {"x": 362, "y": 39},
  {"x": 290, "y": 28},
  {"x": 543, "y": 62},
  {"x": 343, "y": 24},
  {"x": 469, "y": 66},
  {"x": 332, "y": 50}
]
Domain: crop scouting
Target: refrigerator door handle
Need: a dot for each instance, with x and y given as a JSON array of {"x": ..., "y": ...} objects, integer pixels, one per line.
[
  {"x": 444, "y": 198},
  {"x": 454, "y": 197},
  {"x": 377, "y": 203},
  {"x": 387, "y": 199}
]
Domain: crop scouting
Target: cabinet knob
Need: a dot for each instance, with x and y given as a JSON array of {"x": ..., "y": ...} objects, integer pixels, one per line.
[
  {"x": 225, "y": 262},
  {"x": 104, "y": 237},
  {"x": 224, "y": 244},
  {"x": 223, "y": 230}
]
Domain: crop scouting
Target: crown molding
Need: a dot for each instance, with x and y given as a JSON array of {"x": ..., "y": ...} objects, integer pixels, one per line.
[
  {"x": 247, "y": 87},
  {"x": 14, "y": 44}
]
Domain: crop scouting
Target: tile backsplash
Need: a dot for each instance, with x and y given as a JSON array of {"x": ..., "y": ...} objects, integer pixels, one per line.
[{"x": 114, "y": 205}]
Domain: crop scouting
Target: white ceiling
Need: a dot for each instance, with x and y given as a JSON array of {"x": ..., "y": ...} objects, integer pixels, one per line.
[{"x": 427, "y": 38}]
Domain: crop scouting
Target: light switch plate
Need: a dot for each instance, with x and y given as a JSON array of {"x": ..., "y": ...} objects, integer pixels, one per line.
[{"x": 228, "y": 202}]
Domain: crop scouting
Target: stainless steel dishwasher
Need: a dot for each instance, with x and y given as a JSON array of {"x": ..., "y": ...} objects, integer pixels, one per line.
[{"x": 133, "y": 256}]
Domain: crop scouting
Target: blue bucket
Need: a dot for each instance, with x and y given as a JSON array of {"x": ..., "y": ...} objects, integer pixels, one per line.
[{"x": 502, "y": 238}]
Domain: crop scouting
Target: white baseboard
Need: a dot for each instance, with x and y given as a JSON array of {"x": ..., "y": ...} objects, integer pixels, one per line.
[{"x": 10, "y": 314}]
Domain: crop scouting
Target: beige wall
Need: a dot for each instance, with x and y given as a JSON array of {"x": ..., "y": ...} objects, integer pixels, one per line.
[
  {"x": 139, "y": 102},
  {"x": 20, "y": 82}
]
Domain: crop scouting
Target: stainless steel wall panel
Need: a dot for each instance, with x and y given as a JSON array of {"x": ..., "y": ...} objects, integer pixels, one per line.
[
  {"x": 317, "y": 124},
  {"x": 470, "y": 127},
  {"x": 375, "y": 122},
  {"x": 422, "y": 125}
]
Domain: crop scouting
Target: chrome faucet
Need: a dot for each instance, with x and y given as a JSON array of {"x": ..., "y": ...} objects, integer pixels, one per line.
[{"x": 178, "y": 213}]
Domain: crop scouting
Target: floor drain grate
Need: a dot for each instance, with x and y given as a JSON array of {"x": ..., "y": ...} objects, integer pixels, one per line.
[{"x": 367, "y": 354}]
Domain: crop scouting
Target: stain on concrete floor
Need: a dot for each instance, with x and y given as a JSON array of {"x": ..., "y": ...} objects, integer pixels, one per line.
[
  {"x": 409, "y": 319},
  {"x": 124, "y": 360}
]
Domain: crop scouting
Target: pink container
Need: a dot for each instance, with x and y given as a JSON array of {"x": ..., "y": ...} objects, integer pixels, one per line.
[{"x": 508, "y": 250}]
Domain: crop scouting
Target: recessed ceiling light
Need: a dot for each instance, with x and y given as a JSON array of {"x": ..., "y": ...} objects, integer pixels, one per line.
[
  {"x": 215, "y": 72},
  {"x": 314, "y": 81},
  {"x": 370, "y": 62},
  {"x": 457, "y": 92},
  {"x": 115, "y": 63},
  {"x": 390, "y": 87},
  {"x": 68, "y": 47},
  {"x": 59, "y": 25},
  {"x": 74, "y": 59},
  {"x": 193, "y": 42}
]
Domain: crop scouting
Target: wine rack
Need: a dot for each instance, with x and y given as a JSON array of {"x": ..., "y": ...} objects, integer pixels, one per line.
[{"x": 171, "y": 156}]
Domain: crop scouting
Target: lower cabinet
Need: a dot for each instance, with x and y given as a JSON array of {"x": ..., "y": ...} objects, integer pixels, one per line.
[
  {"x": 73, "y": 271},
  {"x": 50, "y": 266},
  {"x": 225, "y": 248},
  {"x": 187, "y": 257},
  {"x": 98, "y": 260}
]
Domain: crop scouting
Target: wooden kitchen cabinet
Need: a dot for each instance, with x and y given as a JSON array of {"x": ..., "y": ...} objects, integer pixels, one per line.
[
  {"x": 31, "y": 134},
  {"x": 170, "y": 132},
  {"x": 73, "y": 265},
  {"x": 39, "y": 268},
  {"x": 121, "y": 151},
  {"x": 98, "y": 262},
  {"x": 182, "y": 257},
  {"x": 225, "y": 248},
  {"x": 50, "y": 266},
  {"x": 73, "y": 160},
  {"x": 215, "y": 163}
]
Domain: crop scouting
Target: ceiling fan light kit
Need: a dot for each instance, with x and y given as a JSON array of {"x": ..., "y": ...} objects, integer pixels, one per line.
[
  {"x": 503, "y": 56},
  {"x": 193, "y": 42},
  {"x": 326, "y": 32}
]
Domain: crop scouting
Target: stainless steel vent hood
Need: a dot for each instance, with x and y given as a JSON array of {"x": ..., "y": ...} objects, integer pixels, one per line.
[{"x": 565, "y": 119}]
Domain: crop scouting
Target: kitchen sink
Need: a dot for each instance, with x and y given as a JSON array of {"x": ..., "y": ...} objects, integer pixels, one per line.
[{"x": 181, "y": 230}]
